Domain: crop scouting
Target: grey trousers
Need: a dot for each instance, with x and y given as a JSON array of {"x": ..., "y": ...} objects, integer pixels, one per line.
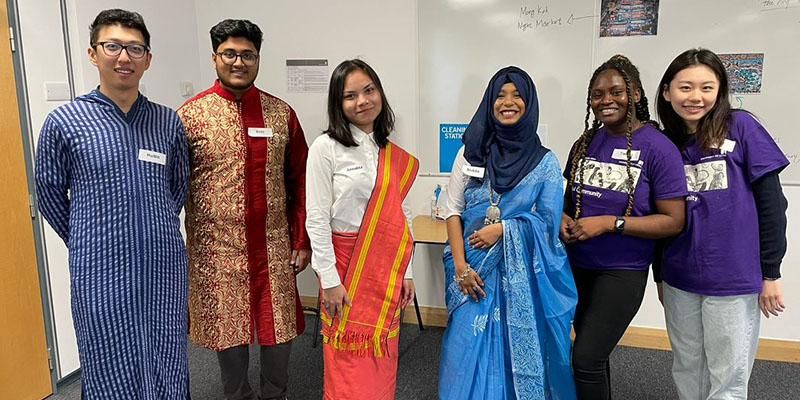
[
  {"x": 714, "y": 341},
  {"x": 234, "y": 363}
]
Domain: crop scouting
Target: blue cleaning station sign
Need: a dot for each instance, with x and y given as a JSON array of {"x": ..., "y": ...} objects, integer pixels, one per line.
[{"x": 449, "y": 143}]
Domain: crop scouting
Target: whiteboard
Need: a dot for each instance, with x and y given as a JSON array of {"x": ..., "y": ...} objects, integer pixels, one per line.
[{"x": 463, "y": 42}]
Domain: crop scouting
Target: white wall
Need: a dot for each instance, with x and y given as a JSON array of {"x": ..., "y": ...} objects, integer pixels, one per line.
[{"x": 383, "y": 33}]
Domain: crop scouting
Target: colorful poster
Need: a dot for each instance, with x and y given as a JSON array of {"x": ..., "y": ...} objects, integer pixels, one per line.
[
  {"x": 449, "y": 143},
  {"x": 628, "y": 18},
  {"x": 744, "y": 71}
]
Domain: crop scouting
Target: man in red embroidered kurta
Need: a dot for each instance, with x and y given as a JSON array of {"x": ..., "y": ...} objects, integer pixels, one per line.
[{"x": 245, "y": 217}]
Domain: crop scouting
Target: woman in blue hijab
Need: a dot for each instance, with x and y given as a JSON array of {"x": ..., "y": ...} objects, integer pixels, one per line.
[{"x": 510, "y": 293}]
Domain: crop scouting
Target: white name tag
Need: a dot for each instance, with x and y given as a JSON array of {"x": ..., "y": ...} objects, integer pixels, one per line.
[
  {"x": 727, "y": 146},
  {"x": 622, "y": 154},
  {"x": 259, "y": 132},
  {"x": 152, "y": 156},
  {"x": 354, "y": 168},
  {"x": 475, "y": 172}
]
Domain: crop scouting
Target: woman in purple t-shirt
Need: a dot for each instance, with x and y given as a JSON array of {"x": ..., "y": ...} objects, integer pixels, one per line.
[
  {"x": 627, "y": 190},
  {"x": 715, "y": 278}
]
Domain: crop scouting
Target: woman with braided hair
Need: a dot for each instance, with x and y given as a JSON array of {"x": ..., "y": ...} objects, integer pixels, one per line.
[{"x": 627, "y": 190}]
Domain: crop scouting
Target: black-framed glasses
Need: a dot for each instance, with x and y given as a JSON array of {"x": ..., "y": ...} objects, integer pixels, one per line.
[
  {"x": 229, "y": 57},
  {"x": 114, "y": 49}
]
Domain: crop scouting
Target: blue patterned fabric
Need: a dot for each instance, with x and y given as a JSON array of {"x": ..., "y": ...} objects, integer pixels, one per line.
[
  {"x": 514, "y": 343},
  {"x": 119, "y": 217}
]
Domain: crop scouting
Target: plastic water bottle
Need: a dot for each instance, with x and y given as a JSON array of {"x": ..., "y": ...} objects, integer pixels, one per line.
[
  {"x": 436, "y": 210},
  {"x": 441, "y": 202}
]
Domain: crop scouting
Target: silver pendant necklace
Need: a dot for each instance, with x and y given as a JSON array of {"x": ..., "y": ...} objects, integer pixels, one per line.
[{"x": 493, "y": 211}]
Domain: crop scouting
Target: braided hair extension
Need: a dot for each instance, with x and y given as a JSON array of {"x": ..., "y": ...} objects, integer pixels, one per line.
[
  {"x": 643, "y": 113},
  {"x": 629, "y": 140},
  {"x": 579, "y": 157}
]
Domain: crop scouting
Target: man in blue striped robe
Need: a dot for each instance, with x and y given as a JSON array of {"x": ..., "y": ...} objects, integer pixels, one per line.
[{"x": 111, "y": 176}]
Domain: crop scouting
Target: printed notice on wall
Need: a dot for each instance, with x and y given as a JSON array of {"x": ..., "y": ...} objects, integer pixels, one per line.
[{"x": 307, "y": 76}]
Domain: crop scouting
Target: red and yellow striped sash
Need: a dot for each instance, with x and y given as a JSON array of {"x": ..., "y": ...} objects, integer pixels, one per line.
[{"x": 373, "y": 274}]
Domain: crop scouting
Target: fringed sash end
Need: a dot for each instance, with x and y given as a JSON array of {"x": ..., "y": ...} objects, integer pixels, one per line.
[{"x": 359, "y": 343}]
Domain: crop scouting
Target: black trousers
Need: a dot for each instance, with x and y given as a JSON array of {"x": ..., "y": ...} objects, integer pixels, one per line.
[
  {"x": 234, "y": 363},
  {"x": 607, "y": 302}
]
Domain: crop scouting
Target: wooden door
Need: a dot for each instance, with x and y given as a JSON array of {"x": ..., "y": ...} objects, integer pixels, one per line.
[{"x": 24, "y": 370}]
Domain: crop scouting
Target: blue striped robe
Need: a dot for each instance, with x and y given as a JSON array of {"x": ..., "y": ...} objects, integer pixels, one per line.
[{"x": 119, "y": 217}]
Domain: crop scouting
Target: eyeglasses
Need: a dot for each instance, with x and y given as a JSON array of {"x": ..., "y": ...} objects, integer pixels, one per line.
[
  {"x": 113, "y": 49},
  {"x": 229, "y": 57}
]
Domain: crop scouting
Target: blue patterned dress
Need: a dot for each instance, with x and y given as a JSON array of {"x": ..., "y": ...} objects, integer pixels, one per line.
[
  {"x": 513, "y": 344},
  {"x": 112, "y": 186}
]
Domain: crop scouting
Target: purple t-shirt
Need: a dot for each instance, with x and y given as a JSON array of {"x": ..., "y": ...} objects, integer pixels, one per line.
[
  {"x": 718, "y": 253},
  {"x": 658, "y": 175}
]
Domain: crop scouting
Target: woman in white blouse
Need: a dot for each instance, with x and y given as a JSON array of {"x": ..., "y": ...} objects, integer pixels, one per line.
[{"x": 360, "y": 230}]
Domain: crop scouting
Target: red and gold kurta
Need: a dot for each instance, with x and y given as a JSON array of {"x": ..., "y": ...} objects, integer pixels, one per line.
[{"x": 244, "y": 215}]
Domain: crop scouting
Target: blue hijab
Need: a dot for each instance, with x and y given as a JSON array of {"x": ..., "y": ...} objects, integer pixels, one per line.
[{"x": 508, "y": 153}]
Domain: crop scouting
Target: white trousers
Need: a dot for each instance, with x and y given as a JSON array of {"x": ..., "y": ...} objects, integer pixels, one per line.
[{"x": 714, "y": 341}]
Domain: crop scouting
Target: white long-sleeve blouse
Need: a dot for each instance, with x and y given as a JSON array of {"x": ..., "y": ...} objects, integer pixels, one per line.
[{"x": 339, "y": 183}]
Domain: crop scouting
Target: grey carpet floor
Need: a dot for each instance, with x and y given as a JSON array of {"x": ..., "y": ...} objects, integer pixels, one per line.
[{"x": 637, "y": 374}]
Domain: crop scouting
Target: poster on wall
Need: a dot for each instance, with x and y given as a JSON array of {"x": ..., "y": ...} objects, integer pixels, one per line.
[
  {"x": 628, "y": 18},
  {"x": 307, "y": 76},
  {"x": 745, "y": 71},
  {"x": 449, "y": 143}
]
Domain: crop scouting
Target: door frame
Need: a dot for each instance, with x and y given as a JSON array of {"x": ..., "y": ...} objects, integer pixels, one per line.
[{"x": 36, "y": 217}]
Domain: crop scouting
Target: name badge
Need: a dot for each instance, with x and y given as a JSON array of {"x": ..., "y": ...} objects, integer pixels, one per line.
[
  {"x": 259, "y": 132},
  {"x": 622, "y": 154},
  {"x": 152, "y": 157},
  {"x": 475, "y": 172},
  {"x": 354, "y": 168},
  {"x": 727, "y": 146}
]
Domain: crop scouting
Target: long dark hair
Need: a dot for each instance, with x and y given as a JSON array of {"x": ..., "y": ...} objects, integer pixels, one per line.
[
  {"x": 713, "y": 127},
  {"x": 637, "y": 110},
  {"x": 338, "y": 125}
]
